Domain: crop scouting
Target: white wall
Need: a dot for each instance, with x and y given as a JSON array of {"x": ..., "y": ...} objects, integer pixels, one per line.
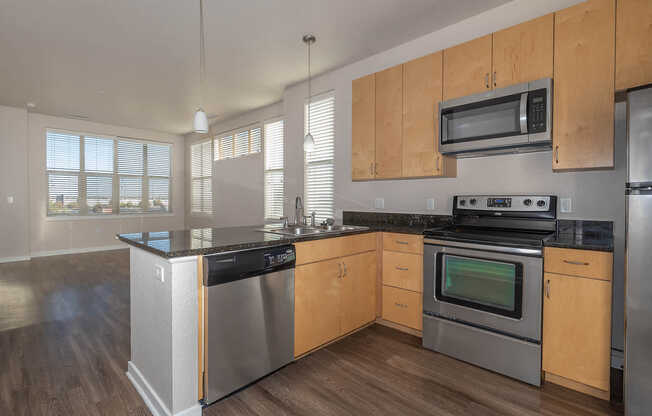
[
  {"x": 14, "y": 230},
  {"x": 237, "y": 183},
  {"x": 25, "y": 227}
]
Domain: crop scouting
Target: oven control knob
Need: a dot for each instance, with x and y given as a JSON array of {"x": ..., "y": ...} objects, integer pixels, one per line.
[
  {"x": 541, "y": 203},
  {"x": 527, "y": 202},
  {"x": 473, "y": 201},
  {"x": 462, "y": 202}
]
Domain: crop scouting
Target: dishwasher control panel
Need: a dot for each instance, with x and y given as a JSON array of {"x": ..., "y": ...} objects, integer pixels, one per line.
[{"x": 278, "y": 258}]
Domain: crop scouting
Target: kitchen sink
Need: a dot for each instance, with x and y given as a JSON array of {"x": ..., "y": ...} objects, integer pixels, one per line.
[{"x": 300, "y": 230}]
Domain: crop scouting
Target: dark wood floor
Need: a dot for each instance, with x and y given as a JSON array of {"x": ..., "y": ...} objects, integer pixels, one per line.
[{"x": 64, "y": 347}]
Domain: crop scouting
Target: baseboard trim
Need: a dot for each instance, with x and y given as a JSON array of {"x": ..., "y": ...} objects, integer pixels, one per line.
[
  {"x": 151, "y": 399},
  {"x": 79, "y": 250},
  {"x": 575, "y": 385},
  {"x": 147, "y": 393},
  {"x": 14, "y": 259}
]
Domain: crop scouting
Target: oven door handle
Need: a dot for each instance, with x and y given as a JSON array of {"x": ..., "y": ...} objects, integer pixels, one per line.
[
  {"x": 523, "y": 116},
  {"x": 484, "y": 247}
]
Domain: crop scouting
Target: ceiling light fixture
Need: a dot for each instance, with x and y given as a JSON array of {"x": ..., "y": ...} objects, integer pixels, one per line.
[
  {"x": 308, "y": 140},
  {"x": 200, "y": 122}
]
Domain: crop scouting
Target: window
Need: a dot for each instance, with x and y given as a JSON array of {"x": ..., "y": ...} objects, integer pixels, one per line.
[
  {"x": 238, "y": 143},
  {"x": 201, "y": 191},
  {"x": 95, "y": 175},
  {"x": 274, "y": 170},
  {"x": 319, "y": 165}
]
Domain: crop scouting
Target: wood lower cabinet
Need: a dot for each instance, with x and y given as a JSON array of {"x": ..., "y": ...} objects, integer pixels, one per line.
[
  {"x": 389, "y": 119},
  {"x": 467, "y": 68},
  {"x": 317, "y": 298},
  {"x": 584, "y": 86},
  {"x": 335, "y": 296},
  {"x": 403, "y": 307},
  {"x": 363, "y": 128},
  {"x": 422, "y": 91},
  {"x": 633, "y": 43},
  {"x": 523, "y": 52},
  {"x": 403, "y": 270}
]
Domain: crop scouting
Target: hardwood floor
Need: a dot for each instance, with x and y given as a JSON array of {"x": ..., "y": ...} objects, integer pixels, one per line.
[{"x": 64, "y": 347}]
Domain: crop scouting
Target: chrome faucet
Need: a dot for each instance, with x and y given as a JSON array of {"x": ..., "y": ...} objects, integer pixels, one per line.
[{"x": 298, "y": 210}]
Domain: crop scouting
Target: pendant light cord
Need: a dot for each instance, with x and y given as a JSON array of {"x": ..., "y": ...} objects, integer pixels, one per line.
[
  {"x": 309, "y": 87},
  {"x": 202, "y": 54}
]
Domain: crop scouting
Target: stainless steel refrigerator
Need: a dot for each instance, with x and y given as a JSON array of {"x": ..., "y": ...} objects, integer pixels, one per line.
[{"x": 638, "y": 273}]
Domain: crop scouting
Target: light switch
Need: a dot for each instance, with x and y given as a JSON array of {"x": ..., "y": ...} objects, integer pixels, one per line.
[
  {"x": 431, "y": 204},
  {"x": 379, "y": 203},
  {"x": 566, "y": 205},
  {"x": 159, "y": 273},
  {"x": 10, "y": 200}
]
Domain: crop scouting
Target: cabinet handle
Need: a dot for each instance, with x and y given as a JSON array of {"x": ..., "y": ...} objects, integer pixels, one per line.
[
  {"x": 577, "y": 263},
  {"x": 401, "y": 242},
  {"x": 344, "y": 264},
  {"x": 494, "y": 79},
  {"x": 437, "y": 163},
  {"x": 376, "y": 169},
  {"x": 400, "y": 305},
  {"x": 486, "y": 80},
  {"x": 371, "y": 169},
  {"x": 548, "y": 288},
  {"x": 557, "y": 154},
  {"x": 403, "y": 269},
  {"x": 340, "y": 266}
]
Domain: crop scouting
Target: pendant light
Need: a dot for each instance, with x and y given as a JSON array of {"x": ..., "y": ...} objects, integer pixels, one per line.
[
  {"x": 200, "y": 122},
  {"x": 308, "y": 140}
]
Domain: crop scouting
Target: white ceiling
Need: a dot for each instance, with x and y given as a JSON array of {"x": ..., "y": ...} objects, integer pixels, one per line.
[{"x": 135, "y": 62}]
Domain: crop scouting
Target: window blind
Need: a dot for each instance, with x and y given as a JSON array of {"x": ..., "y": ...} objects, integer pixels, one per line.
[
  {"x": 238, "y": 143},
  {"x": 319, "y": 165},
  {"x": 201, "y": 192},
  {"x": 92, "y": 175},
  {"x": 274, "y": 170}
]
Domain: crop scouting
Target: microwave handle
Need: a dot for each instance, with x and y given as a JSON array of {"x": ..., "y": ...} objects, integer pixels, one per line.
[{"x": 523, "y": 115}]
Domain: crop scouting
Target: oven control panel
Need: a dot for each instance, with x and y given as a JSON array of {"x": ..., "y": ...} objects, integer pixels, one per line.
[{"x": 503, "y": 202}]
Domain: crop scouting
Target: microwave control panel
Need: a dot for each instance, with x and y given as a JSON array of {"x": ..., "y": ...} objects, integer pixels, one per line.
[{"x": 537, "y": 111}]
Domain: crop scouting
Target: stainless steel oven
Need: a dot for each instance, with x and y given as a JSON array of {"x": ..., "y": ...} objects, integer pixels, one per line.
[{"x": 513, "y": 119}]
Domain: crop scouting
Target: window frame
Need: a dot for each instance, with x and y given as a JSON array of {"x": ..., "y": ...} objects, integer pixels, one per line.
[
  {"x": 82, "y": 175},
  {"x": 200, "y": 142},
  {"x": 309, "y": 101},
  {"x": 217, "y": 141},
  {"x": 263, "y": 149}
]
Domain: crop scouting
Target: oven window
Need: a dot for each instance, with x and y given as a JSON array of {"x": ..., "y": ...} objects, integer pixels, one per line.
[
  {"x": 485, "y": 120},
  {"x": 482, "y": 284}
]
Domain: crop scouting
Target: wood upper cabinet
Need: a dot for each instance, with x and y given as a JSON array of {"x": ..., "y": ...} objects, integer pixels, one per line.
[
  {"x": 389, "y": 122},
  {"x": 317, "y": 289},
  {"x": 467, "y": 68},
  {"x": 583, "y": 133},
  {"x": 358, "y": 302},
  {"x": 633, "y": 43},
  {"x": 422, "y": 91},
  {"x": 577, "y": 330},
  {"x": 523, "y": 52},
  {"x": 363, "y": 128}
]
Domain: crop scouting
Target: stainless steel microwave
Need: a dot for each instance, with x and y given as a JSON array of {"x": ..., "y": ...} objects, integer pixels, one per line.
[{"x": 514, "y": 119}]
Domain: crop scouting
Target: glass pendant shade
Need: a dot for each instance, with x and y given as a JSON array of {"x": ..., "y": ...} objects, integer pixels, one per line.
[
  {"x": 308, "y": 143},
  {"x": 200, "y": 123}
]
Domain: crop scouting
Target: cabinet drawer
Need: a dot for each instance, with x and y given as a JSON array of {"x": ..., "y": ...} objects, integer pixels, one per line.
[
  {"x": 403, "y": 270},
  {"x": 406, "y": 243},
  {"x": 329, "y": 248},
  {"x": 402, "y": 307},
  {"x": 585, "y": 263}
]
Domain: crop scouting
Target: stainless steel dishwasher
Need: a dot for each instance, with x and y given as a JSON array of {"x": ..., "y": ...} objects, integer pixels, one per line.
[{"x": 249, "y": 317}]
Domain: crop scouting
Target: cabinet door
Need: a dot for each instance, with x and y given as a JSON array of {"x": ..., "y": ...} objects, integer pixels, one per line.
[
  {"x": 523, "y": 52},
  {"x": 577, "y": 329},
  {"x": 583, "y": 133},
  {"x": 467, "y": 68},
  {"x": 316, "y": 302},
  {"x": 389, "y": 118},
  {"x": 363, "y": 134},
  {"x": 358, "y": 291},
  {"x": 633, "y": 43},
  {"x": 422, "y": 87}
]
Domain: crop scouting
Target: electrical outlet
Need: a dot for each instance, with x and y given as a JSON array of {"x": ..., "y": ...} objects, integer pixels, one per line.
[
  {"x": 566, "y": 205},
  {"x": 431, "y": 204},
  {"x": 10, "y": 200},
  {"x": 159, "y": 273},
  {"x": 379, "y": 203}
]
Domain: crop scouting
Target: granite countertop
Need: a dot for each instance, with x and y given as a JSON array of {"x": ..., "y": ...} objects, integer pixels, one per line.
[
  {"x": 203, "y": 241},
  {"x": 396, "y": 222},
  {"x": 583, "y": 235}
]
